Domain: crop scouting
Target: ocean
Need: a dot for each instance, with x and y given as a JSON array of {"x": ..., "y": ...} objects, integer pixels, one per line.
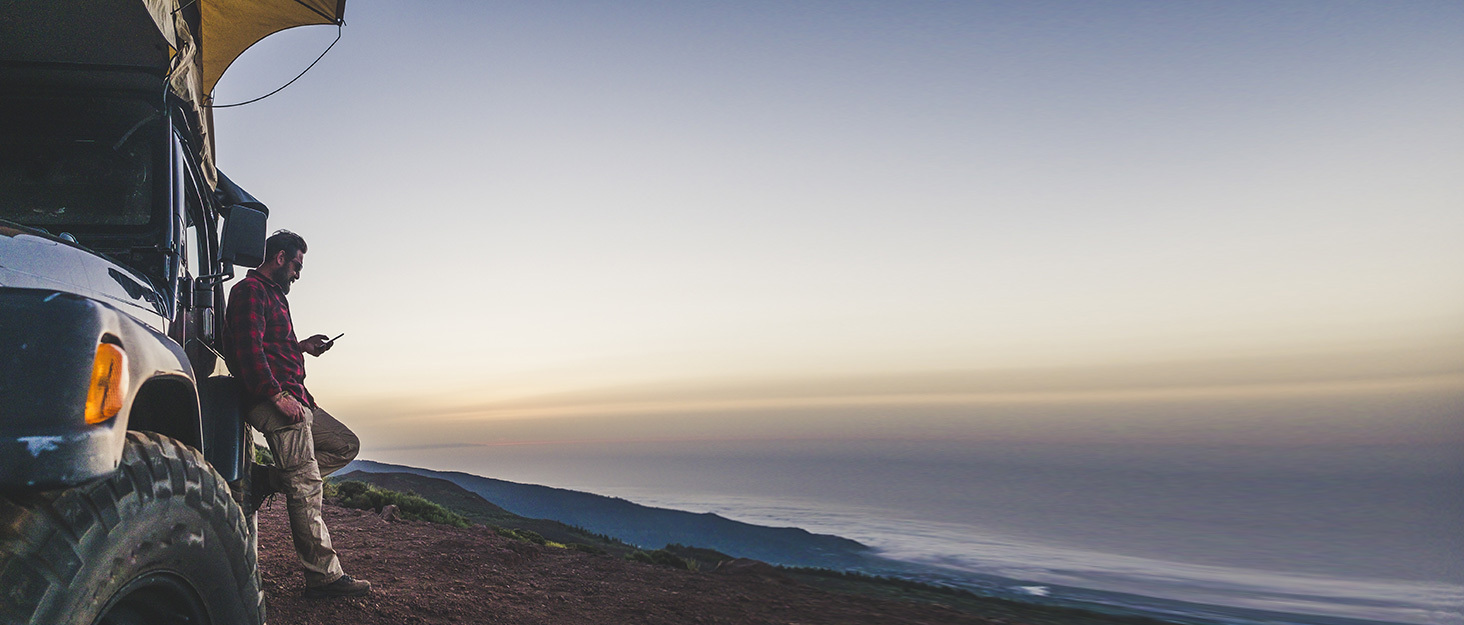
[{"x": 1369, "y": 532}]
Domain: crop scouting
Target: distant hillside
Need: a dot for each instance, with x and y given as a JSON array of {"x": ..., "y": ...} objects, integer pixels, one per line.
[
  {"x": 480, "y": 510},
  {"x": 428, "y": 574},
  {"x": 645, "y": 526}
]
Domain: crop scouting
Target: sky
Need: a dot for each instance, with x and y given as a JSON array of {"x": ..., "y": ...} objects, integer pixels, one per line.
[{"x": 546, "y": 223}]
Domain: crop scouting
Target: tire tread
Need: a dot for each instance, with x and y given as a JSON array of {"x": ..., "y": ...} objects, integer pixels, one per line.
[{"x": 42, "y": 535}]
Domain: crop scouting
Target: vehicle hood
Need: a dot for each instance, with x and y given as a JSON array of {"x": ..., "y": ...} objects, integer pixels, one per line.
[{"x": 30, "y": 259}]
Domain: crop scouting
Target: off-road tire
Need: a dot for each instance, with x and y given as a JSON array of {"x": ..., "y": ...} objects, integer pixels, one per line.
[{"x": 160, "y": 542}]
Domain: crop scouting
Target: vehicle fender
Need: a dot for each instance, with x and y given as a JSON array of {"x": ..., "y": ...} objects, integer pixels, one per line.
[{"x": 48, "y": 343}]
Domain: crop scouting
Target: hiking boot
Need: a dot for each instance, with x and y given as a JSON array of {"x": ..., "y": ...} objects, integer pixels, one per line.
[
  {"x": 260, "y": 489},
  {"x": 346, "y": 586}
]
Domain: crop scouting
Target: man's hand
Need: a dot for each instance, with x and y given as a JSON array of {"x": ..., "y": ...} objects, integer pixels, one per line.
[
  {"x": 291, "y": 407},
  {"x": 316, "y": 345}
]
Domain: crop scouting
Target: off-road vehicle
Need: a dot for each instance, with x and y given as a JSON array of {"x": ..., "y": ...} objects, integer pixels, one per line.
[{"x": 122, "y": 447}]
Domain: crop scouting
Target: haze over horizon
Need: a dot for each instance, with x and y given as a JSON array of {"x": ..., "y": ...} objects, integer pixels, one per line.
[{"x": 546, "y": 224}]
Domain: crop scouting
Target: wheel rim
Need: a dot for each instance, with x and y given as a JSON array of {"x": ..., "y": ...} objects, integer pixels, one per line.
[{"x": 158, "y": 598}]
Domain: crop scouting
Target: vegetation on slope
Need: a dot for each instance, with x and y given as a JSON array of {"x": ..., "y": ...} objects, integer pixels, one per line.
[
  {"x": 855, "y": 583},
  {"x": 476, "y": 509},
  {"x": 645, "y": 526},
  {"x": 411, "y": 506},
  {"x": 450, "y": 504}
]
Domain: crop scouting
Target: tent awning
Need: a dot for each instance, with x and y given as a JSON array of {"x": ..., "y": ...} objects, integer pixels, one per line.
[
  {"x": 207, "y": 35},
  {"x": 229, "y": 27}
]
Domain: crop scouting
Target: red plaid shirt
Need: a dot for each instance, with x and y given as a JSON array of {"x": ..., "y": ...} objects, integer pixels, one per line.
[{"x": 259, "y": 340}]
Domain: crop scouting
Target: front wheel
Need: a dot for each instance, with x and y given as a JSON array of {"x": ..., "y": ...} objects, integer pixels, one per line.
[{"x": 159, "y": 542}]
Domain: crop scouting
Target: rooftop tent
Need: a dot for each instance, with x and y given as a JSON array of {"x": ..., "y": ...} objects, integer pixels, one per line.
[
  {"x": 118, "y": 33},
  {"x": 189, "y": 42},
  {"x": 114, "y": 34}
]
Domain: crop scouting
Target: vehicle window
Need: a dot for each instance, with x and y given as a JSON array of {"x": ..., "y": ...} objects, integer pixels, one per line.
[{"x": 79, "y": 162}]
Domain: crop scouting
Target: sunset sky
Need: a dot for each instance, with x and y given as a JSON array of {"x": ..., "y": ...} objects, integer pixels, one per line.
[{"x": 552, "y": 222}]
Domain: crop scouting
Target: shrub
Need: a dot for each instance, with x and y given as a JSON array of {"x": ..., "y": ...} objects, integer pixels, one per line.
[
  {"x": 663, "y": 558},
  {"x": 411, "y": 506},
  {"x": 697, "y": 555},
  {"x": 520, "y": 534},
  {"x": 603, "y": 537},
  {"x": 531, "y": 536},
  {"x": 350, "y": 488},
  {"x": 586, "y": 548},
  {"x": 263, "y": 456}
]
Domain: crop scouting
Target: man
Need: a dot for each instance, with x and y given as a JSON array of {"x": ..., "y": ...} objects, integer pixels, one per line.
[{"x": 307, "y": 442}]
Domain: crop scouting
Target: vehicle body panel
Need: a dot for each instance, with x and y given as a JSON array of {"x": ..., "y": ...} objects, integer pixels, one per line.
[
  {"x": 48, "y": 342},
  {"x": 155, "y": 288},
  {"x": 29, "y": 259}
]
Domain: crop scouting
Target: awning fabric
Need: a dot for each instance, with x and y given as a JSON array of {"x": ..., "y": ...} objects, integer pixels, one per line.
[
  {"x": 230, "y": 26},
  {"x": 224, "y": 30}
]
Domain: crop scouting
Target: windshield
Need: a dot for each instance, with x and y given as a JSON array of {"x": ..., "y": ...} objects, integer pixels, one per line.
[{"x": 79, "y": 163}]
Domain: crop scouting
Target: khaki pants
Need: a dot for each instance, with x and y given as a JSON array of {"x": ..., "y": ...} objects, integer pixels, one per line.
[{"x": 304, "y": 454}]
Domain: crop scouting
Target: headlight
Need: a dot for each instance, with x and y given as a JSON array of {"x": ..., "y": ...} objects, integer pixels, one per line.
[{"x": 108, "y": 383}]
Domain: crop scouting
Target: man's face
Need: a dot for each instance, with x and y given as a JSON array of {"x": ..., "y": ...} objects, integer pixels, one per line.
[{"x": 288, "y": 272}]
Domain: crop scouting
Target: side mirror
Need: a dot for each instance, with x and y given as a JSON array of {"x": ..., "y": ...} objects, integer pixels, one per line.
[{"x": 243, "y": 237}]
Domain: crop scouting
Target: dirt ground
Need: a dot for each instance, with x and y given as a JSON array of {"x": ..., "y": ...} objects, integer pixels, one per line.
[{"x": 425, "y": 574}]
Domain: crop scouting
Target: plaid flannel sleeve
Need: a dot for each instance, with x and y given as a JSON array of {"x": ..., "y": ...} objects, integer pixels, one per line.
[{"x": 246, "y": 321}]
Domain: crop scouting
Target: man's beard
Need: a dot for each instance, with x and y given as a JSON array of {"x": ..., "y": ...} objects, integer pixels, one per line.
[{"x": 281, "y": 277}]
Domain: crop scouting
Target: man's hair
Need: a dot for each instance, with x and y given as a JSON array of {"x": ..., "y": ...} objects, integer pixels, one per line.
[{"x": 284, "y": 241}]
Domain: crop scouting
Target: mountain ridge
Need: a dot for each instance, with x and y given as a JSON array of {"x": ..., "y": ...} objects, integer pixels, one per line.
[
  {"x": 476, "y": 509},
  {"x": 647, "y": 526}
]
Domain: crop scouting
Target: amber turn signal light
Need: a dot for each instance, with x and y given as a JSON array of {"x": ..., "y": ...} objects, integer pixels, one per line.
[{"x": 108, "y": 384}]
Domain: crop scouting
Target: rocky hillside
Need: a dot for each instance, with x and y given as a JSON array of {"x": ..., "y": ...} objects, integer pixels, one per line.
[
  {"x": 430, "y": 574},
  {"x": 483, "y": 512}
]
